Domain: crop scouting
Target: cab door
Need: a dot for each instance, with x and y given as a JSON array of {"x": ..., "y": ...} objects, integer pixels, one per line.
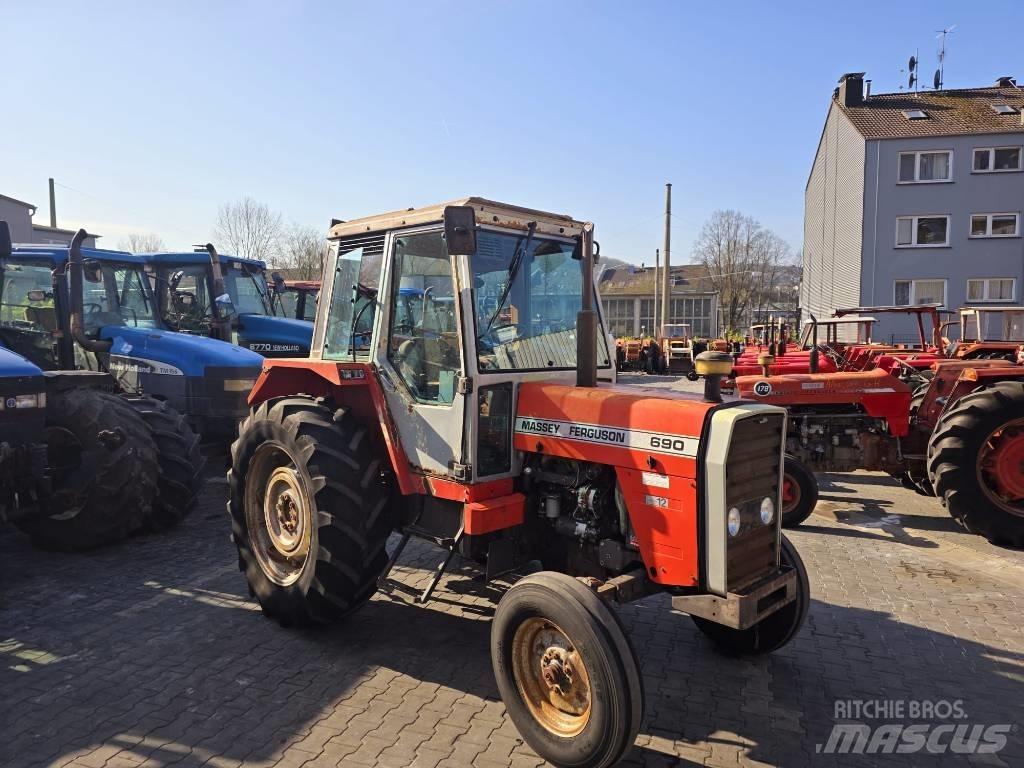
[{"x": 419, "y": 352}]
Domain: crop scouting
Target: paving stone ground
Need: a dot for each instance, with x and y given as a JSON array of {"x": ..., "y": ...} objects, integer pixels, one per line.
[{"x": 151, "y": 654}]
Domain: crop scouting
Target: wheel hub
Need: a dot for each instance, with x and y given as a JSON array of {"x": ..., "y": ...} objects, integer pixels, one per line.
[
  {"x": 790, "y": 494},
  {"x": 1002, "y": 463},
  {"x": 285, "y": 514},
  {"x": 551, "y": 677}
]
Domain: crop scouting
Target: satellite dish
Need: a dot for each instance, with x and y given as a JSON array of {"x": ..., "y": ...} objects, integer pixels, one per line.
[
  {"x": 913, "y": 63},
  {"x": 937, "y": 80},
  {"x": 911, "y": 80}
]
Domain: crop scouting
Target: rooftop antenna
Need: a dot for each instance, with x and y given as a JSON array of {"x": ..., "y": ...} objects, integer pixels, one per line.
[{"x": 940, "y": 73}]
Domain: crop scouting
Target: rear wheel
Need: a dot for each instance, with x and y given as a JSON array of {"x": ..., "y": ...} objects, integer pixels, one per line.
[
  {"x": 309, "y": 510},
  {"x": 976, "y": 462},
  {"x": 181, "y": 463},
  {"x": 103, "y": 464},
  {"x": 776, "y": 629},
  {"x": 566, "y": 671},
  {"x": 799, "y": 492}
]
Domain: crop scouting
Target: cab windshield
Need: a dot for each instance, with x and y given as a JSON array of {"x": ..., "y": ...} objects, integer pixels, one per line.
[
  {"x": 28, "y": 317},
  {"x": 247, "y": 287},
  {"x": 115, "y": 294},
  {"x": 525, "y": 306}
]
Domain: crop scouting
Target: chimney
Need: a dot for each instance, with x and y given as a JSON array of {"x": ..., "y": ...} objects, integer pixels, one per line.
[
  {"x": 1006, "y": 81},
  {"x": 851, "y": 89},
  {"x": 867, "y": 90}
]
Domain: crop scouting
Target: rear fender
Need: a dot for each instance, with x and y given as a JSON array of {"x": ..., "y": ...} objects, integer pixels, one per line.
[
  {"x": 351, "y": 385},
  {"x": 948, "y": 385},
  {"x": 973, "y": 378}
]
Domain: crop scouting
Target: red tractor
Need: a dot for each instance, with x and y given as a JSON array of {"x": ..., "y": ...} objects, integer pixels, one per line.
[
  {"x": 489, "y": 423},
  {"x": 989, "y": 333}
]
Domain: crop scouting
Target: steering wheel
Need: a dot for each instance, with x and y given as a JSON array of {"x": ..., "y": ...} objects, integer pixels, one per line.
[{"x": 832, "y": 355}]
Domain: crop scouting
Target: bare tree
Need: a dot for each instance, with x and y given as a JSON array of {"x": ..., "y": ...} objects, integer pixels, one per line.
[
  {"x": 303, "y": 249},
  {"x": 248, "y": 228},
  {"x": 744, "y": 262},
  {"x": 139, "y": 242}
]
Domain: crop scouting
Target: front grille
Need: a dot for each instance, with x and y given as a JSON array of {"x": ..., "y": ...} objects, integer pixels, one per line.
[{"x": 752, "y": 472}]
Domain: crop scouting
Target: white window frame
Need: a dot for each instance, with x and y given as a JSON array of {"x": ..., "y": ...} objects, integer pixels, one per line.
[
  {"x": 988, "y": 225},
  {"x": 913, "y": 230},
  {"x": 917, "y": 166},
  {"x": 987, "y": 281},
  {"x": 992, "y": 159},
  {"x": 913, "y": 283}
]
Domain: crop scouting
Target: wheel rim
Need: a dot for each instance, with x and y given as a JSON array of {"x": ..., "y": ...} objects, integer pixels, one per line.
[
  {"x": 277, "y": 514},
  {"x": 790, "y": 494},
  {"x": 551, "y": 677},
  {"x": 1001, "y": 467}
]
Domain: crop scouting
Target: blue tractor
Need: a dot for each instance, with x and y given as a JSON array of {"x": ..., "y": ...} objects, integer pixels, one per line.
[{"x": 227, "y": 298}]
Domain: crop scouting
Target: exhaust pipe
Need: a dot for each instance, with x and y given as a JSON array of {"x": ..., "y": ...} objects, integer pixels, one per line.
[
  {"x": 75, "y": 268},
  {"x": 221, "y": 325},
  {"x": 813, "y": 362},
  {"x": 586, "y": 318},
  {"x": 713, "y": 366}
]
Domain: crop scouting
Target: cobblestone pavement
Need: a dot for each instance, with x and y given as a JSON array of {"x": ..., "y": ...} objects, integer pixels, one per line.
[{"x": 151, "y": 653}]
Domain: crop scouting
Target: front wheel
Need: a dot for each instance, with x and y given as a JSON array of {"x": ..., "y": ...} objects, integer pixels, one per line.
[
  {"x": 566, "y": 671},
  {"x": 799, "y": 492},
  {"x": 773, "y": 631}
]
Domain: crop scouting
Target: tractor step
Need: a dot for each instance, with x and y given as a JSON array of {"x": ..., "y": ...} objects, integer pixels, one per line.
[{"x": 450, "y": 545}]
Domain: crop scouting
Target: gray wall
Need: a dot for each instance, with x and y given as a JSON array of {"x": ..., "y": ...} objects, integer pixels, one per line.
[
  {"x": 18, "y": 218},
  {"x": 833, "y": 219},
  {"x": 968, "y": 193}
]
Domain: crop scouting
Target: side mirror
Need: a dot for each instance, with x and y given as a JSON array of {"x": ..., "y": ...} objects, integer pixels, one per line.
[
  {"x": 91, "y": 270},
  {"x": 460, "y": 230},
  {"x": 279, "y": 286},
  {"x": 36, "y": 295},
  {"x": 225, "y": 305}
]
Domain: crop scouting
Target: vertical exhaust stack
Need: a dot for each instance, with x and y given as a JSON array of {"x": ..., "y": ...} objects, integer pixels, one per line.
[
  {"x": 586, "y": 319},
  {"x": 75, "y": 270},
  {"x": 813, "y": 362},
  {"x": 221, "y": 324}
]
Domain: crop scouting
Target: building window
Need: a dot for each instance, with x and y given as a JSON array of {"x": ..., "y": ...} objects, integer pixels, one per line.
[
  {"x": 908, "y": 292},
  {"x": 990, "y": 289},
  {"x": 994, "y": 224},
  {"x": 694, "y": 311},
  {"x": 619, "y": 314},
  {"x": 925, "y": 167},
  {"x": 647, "y": 319},
  {"x": 922, "y": 231},
  {"x": 996, "y": 159}
]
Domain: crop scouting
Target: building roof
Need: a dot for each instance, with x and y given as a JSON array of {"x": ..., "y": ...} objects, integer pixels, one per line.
[
  {"x": 633, "y": 281},
  {"x": 949, "y": 113},
  {"x": 59, "y": 231},
  {"x": 19, "y": 202}
]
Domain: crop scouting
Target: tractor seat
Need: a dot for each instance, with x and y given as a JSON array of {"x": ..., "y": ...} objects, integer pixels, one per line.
[{"x": 44, "y": 317}]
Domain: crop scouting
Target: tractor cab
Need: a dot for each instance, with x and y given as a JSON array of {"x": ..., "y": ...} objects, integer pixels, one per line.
[
  {"x": 224, "y": 297},
  {"x": 294, "y": 298},
  {"x": 73, "y": 308}
]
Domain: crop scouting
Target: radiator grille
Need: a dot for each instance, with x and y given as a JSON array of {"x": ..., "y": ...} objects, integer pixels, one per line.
[{"x": 752, "y": 472}]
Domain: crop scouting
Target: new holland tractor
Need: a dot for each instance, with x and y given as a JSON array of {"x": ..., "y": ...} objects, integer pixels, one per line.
[
  {"x": 74, "y": 308},
  {"x": 489, "y": 423},
  {"x": 224, "y": 297}
]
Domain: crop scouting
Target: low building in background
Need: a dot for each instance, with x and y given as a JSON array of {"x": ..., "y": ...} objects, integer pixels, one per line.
[
  {"x": 627, "y": 295},
  {"x": 18, "y": 214}
]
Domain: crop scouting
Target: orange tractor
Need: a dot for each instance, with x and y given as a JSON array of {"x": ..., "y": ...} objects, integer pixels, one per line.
[{"x": 501, "y": 436}]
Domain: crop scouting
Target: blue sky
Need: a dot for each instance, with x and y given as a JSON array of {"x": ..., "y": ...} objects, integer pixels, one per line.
[{"x": 150, "y": 115}]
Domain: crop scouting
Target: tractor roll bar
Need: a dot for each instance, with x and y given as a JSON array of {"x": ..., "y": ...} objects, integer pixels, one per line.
[
  {"x": 75, "y": 267},
  {"x": 586, "y": 319}
]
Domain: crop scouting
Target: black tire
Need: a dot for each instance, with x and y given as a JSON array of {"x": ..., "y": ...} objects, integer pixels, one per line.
[
  {"x": 773, "y": 631},
  {"x": 181, "y": 462},
  {"x": 596, "y": 639},
  {"x": 804, "y": 487},
  {"x": 337, "y": 480},
  {"x": 103, "y": 464},
  {"x": 955, "y": 452}
]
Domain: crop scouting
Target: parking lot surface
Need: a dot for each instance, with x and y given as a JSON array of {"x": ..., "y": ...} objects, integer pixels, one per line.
[{"x": 151, "y": 653}]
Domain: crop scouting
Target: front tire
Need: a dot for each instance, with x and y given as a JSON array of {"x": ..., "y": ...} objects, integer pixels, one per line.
[
  {"x": 309, "y": 510},
  {"x": 773, "y": 631},
  {"x": 974, "y": 460},
  {"x": 566, "y": 671},
  {"x": 799, "y": 492}
]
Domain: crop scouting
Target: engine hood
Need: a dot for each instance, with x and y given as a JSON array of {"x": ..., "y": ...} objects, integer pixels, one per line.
[
  {"x": 191, "y": 355},
  {"x": 13, "y": 365},
  {"x": 275, "y": 336}
]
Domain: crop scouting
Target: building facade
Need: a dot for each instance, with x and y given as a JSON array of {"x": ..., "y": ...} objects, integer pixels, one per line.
[
  {"x": 915, "y": 198},
  {"x": 627, "y": 296},
  {"x": 18, "y": 214}
]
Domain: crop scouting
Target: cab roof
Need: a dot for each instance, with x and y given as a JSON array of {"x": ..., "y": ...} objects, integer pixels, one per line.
[
  {"x": 487, "y": 212},
  {"x": 58, "y": 254},
  {"x": 841, "y": 321},
  {"x": 197, "y": 257},
  {"x": 984, "y": 308},
  {"x": 895, "y": 309}
]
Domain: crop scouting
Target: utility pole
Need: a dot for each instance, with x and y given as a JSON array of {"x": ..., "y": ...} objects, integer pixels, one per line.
[
  {"x": 668, "y": 247},
  {"x": 657, "y": 286},
  {"x": 53, "y": 206}
]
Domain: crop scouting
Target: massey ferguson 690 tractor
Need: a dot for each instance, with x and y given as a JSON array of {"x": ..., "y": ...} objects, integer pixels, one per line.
[{"x": 488, "y": 422}]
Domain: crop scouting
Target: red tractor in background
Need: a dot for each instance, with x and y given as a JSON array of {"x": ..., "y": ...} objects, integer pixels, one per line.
[
  {"x": 989, "y": 333},
  {"x": 488, "y": 422}
]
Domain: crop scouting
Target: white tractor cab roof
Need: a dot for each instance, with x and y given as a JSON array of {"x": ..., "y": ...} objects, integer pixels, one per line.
[
  {"x": 833, "y": 326},
  {"x": 992, "y": 323},
  {"x": 675, "y": 331}
]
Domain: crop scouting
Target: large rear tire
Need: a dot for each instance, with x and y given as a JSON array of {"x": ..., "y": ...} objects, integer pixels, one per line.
[
  {"x": 103, "y": 465},
  {"x": 309, "y": 510},
  {"x": 566, "y": 671},
  {"x": 799, "y": 492},
  {"x": 773, "y": 631},
  {"x": 974, "y": 462},
  {"x": 181, "y": 462}
]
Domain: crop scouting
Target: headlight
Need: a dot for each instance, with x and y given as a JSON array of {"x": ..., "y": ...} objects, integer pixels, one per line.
[
  {"x": 767, "y": 510},
  {"x": 733, "y": 521},
  {"x": 24, "y": 401}
]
